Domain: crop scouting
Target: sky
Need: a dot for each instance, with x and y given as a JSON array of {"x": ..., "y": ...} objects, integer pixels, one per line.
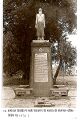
[{"x": 73, "y": 39}]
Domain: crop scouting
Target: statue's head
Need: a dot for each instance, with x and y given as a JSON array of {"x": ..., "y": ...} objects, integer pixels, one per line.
[{"x": 40, "y": 10}]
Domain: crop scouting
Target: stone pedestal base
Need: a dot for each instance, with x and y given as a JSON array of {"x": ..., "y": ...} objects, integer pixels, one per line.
[
  {"x": 59, "y": 91},
  {"x": 23, "y": 91},
  {"x": 41, "y": 71}
]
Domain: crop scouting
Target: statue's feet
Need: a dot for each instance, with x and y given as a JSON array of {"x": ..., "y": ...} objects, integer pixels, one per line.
[
  {"x": 38, "y": 38},
  {"x": 42, "y": 38}
]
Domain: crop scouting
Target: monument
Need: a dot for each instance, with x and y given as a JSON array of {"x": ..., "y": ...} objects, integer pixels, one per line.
[
  {"x": 40, "y": 74},
  {"x": 41, "y": 84}
]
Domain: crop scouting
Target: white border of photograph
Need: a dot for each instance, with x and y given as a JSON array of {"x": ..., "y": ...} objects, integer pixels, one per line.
[{"x": 41, "y": 115}]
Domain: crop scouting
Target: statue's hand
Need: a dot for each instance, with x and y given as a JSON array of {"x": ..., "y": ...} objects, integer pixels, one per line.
[
  {"x": 44, "y": 26},
  {"x": 35, "y": 26}
]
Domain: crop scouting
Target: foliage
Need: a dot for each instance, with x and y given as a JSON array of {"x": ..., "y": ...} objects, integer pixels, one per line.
[
  {"x": 66, "y": 51},
  {"x": 10, "y": 54},
  {"x": 19, "y": 22}
]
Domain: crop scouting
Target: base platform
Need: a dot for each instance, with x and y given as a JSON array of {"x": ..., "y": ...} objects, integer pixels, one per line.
[{"x": 57, "y": 92}]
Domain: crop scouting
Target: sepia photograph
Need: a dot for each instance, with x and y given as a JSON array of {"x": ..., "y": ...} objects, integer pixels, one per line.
[{"x": 39, "y": 54}]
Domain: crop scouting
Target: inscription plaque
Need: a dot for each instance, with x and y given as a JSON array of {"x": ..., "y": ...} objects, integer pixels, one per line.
[{"x": 41, "y": 67}]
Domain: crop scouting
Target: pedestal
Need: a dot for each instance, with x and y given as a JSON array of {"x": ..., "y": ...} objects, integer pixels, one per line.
[{"x": 40, "y": 69}]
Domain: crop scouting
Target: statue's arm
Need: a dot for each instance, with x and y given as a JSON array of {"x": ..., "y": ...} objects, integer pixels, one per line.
[
  {"x": 44, "y": 21},
  {"x": 36, "y": 22}
]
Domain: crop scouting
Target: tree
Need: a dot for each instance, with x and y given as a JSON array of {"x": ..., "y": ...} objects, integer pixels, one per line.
[
  {"x": 10, "y": 54},
  {"x": 65, "y": 54},
  {"x": 16, "y": 20},
  {"x": 19, "y": 19}
]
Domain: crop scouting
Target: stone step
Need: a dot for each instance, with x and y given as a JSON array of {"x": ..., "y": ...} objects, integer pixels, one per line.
[{"x": 43, "y": 103}]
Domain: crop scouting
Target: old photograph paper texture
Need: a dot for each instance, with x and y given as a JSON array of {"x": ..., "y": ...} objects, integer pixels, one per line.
[{"x": 40, "y": 68}]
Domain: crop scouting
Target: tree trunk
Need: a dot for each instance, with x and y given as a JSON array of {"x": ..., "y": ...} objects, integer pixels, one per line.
[{"x": 57, "y": 72}]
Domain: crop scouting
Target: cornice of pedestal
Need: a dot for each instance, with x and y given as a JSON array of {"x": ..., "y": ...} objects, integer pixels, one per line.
[
  {"x": 44, "y": 43},
  {"x": 40, "y": 41}
]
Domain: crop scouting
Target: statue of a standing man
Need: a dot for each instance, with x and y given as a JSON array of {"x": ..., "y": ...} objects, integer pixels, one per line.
[{"x": 40, "y": 24}]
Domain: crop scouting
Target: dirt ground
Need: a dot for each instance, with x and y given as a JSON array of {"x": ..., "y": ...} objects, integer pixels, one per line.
[{"x": 9, "y": 101}]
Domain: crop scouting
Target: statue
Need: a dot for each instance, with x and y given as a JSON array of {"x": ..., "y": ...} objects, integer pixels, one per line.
[{"x": 40, "y": 24}]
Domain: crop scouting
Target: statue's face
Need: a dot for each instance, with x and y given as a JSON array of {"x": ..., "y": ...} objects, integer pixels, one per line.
[{"x": 40, "y": 11}]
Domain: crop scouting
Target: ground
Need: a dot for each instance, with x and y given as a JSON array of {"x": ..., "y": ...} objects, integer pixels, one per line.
[{"x": 9, "y": 101}]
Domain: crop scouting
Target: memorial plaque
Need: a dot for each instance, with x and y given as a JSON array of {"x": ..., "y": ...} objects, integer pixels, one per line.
[{"x": 41, "y": 67}]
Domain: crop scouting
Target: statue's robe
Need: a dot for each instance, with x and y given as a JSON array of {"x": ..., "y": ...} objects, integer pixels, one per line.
[{"x": 40, "y": 24}]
